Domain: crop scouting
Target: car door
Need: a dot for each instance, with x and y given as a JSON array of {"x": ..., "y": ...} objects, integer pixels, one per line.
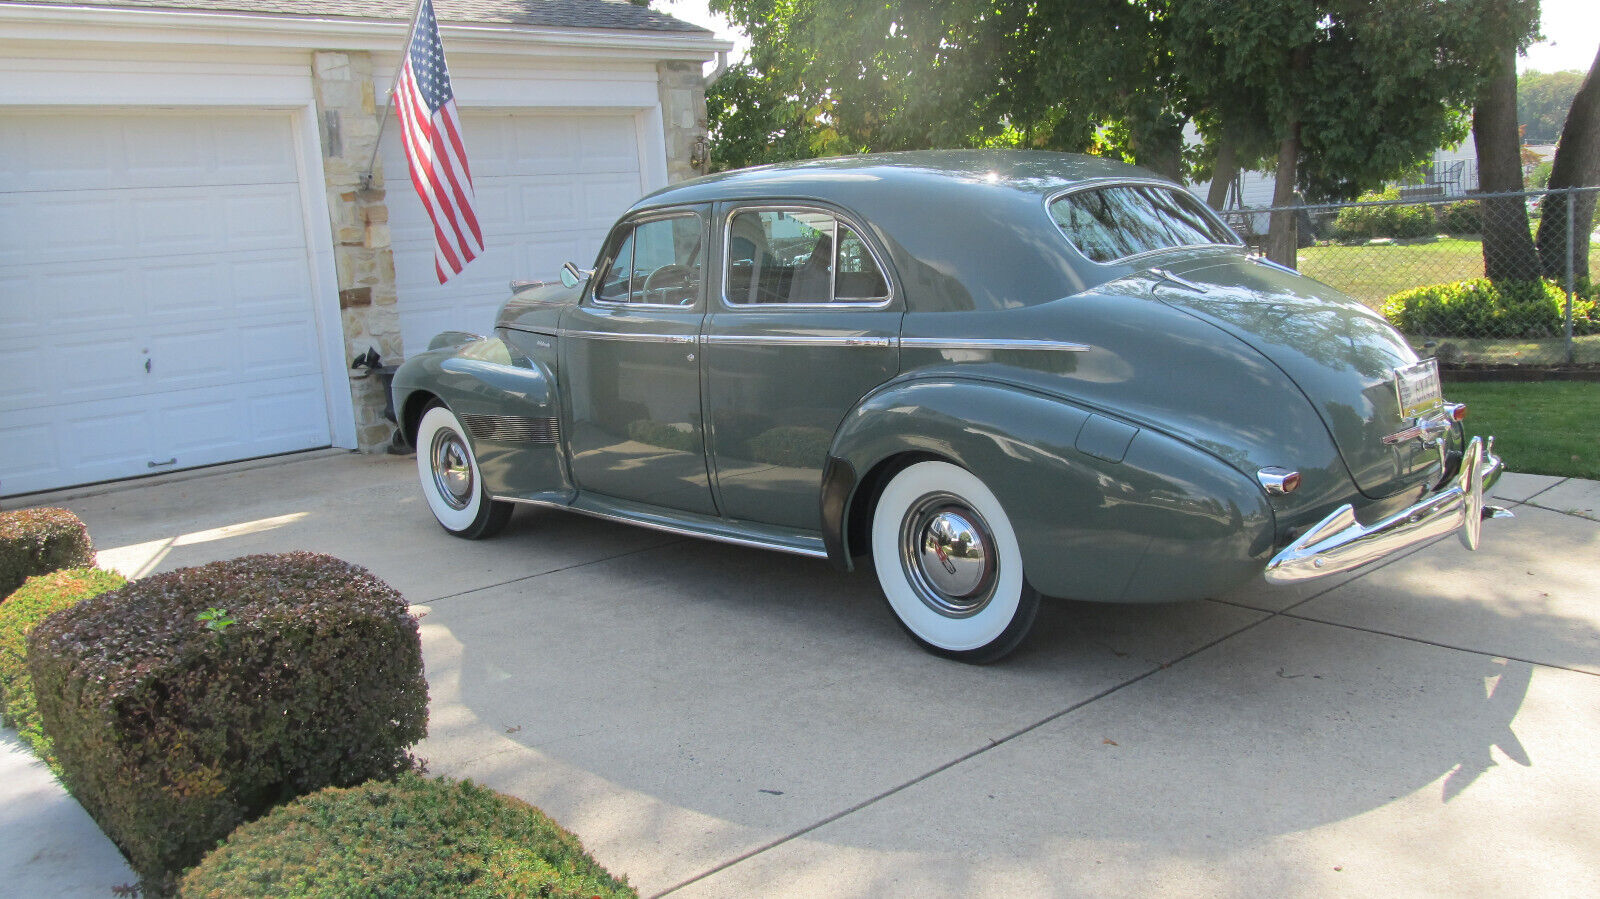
[
  {"x": 806, "y": 322},
  {"x": 631, "y": 370}
]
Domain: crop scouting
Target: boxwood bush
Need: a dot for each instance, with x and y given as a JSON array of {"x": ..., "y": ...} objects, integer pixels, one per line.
[
  {"x": 1480, "y": 308},
  {"x": 409, "y": 837},
  {"x": 39, "y": 541},
  {"x": 33, "y": 602},
  {"x": 1366, "y": 222},
  {"x": 188, "y": 702}
]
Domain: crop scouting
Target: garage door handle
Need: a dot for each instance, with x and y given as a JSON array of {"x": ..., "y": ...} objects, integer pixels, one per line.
[
  {"x": 147, "y": 366},
  {"x": 171, "y": 461}
]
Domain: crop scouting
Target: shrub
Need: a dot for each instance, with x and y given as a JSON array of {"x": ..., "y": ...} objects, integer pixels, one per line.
[
  {"x": 32, "y": 603},
  {"x": 1366, "y": 222},
  {"x": 1480, "y": 308},
  {"x": 1461, "y": 218},
  {"x": 411, "y": 837},
  {"x": 39, "y": 541},
  {"x": 173, "y": 725}
]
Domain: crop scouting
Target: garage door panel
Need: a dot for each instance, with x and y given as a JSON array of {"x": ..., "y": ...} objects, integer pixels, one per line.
[
  {"x": 43, "y": 228},
  {"x": 88, "y": 152},
  {"x": 77, "y": 227},
  {"x": 608, "y": 144},
  {"x": 186, "y": 253}
]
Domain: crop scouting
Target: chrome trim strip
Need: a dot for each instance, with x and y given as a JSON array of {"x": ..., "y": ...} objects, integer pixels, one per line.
[
  {"x": 1339, "y": 542},
  {"x": 674, "y": 529},
  {"x": 1165, "y": 275},
  {"x": 632, "y": 337},
  {"x": 797, "y": 340},
  {"x": 991, "y": 343}
]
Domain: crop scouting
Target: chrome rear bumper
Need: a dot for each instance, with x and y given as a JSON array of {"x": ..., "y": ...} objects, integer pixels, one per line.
[{"x": 1339, "y": 542}]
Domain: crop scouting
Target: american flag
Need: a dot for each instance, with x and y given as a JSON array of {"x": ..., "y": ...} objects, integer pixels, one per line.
[{"x": 430, "y": 129}]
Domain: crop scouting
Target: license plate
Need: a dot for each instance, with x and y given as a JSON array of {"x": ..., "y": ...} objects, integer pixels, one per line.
[{"x": 1418, "y": 386}]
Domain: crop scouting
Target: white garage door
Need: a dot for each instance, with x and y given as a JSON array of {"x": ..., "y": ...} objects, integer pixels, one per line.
[
  {"x": 549, "y": 187},
  {"x": 155, "y": 297}
]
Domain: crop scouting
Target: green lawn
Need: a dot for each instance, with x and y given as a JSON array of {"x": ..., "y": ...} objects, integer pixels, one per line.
[
  {"x": 1549, "y": 427},
  {"x": 1371, "y": 273}
]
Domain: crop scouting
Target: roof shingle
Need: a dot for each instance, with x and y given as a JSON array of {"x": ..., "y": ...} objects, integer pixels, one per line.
[{"x": 619, "y": 14}]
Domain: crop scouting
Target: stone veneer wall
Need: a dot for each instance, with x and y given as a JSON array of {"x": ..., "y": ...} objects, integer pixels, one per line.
[
  {"x": 683, "y": 116},
  {"x": 347, "y": 112}
]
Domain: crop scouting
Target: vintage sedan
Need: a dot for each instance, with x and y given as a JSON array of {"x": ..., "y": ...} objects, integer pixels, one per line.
[{"x": 988, "y": 375}]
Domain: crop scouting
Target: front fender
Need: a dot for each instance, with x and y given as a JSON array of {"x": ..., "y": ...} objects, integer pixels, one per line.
[
  {"x": 1103, "y": 510},
  {"x": 508, "y": 405}
]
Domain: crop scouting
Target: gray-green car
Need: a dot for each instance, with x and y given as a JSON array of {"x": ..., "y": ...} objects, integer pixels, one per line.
[{"x": 987, "y": 375}]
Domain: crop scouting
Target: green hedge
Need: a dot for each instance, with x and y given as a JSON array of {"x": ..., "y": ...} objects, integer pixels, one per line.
[
  {"x": 39, "y": 541},
  {"x": 173, "y": 725},
  {"x": 1480, "y": 308},
  {"x": 410, "y": 837},
  {"x": 1366, "y": 222},
  {"x": 33, "y": 602}
]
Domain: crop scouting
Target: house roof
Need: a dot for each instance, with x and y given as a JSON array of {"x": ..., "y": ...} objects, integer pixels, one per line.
[{"x": 616, "y": 14}]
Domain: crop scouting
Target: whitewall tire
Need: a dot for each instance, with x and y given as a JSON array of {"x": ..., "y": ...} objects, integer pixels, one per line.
[
  {"x": 949, "y": 564},
  {"x": 450, "y": 478}
]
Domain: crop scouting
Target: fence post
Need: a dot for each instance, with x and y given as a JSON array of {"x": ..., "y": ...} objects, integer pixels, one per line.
[{"x": 1571, "y": 264}]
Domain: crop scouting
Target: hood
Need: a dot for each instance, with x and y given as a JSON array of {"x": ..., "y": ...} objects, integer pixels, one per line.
[{"x": 1342, "y": 355}]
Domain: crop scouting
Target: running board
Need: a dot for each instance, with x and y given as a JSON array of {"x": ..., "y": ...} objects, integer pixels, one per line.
[{"x": 688, "y": 524}]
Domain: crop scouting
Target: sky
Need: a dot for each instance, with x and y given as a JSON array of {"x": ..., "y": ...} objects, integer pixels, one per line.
[{"x": 1572, "y": 26}]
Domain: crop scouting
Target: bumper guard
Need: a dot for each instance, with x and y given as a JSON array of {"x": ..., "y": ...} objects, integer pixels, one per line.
[{"x": 1339, "y": 542}]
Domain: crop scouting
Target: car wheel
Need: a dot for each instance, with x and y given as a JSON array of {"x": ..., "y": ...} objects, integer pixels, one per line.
[
  {"x": 949, "y": 563},
  {"x": 450, "y": 478}
]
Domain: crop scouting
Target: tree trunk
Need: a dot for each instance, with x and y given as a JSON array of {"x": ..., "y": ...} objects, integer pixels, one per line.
[
  {"x": 1577, "y": 164},
  {"x": 1223, "y": 173},
  {"x": 1508, "y": 253},
  {"x": 1283, "y": 237}
]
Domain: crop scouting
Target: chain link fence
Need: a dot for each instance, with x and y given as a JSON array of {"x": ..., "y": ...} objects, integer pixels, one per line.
[{"x": 1423, "y": 264}]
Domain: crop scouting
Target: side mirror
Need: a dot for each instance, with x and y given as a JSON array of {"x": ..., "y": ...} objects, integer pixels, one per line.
[{"x": 572, "y": 276}]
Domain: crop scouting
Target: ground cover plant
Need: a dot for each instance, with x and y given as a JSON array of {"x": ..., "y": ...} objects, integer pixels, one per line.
[
  {"x": 1478, "y": 307},
  {"x": 39, "y": 541},
  {"x": 409, "y": 837},
  {"x": 1539, "y": 427},
  {"x": 37, "y": 599},
  {"x": 188, "y": 702}
]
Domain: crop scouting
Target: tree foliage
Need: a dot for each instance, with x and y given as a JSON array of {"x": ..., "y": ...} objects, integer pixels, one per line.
[
  {"x": 1543, "y": 99},
  {"x": 1345, "y": 93}
]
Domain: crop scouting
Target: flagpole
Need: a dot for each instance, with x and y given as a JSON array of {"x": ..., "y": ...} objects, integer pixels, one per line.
[{"x": 366, "y": 178}]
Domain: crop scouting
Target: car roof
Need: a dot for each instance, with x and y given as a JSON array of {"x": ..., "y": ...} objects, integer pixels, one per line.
[
  {"x": 841, "y": 178},
  {"x": 964, "y": 229}
]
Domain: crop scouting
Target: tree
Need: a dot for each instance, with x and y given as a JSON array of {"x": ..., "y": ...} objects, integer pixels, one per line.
[
  {"x": 1055, "y": 74},
  {"x": 1577, "y": 164},
  {"x": 1508, "y": 250},
  {"x": 1345, "y": 93},
  {"x": 1353, "y": 92},
  {"x": 1543, "y": 99}
]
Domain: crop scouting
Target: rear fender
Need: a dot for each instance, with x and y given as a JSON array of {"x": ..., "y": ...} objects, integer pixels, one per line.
[{"x": 1103, "y": 510}]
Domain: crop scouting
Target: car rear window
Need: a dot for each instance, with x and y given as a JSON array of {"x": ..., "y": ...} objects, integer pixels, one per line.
[{"x": 1122, "y": 220}]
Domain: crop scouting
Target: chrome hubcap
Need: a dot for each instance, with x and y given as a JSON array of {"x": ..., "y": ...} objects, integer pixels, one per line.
[
  {"x": 452, "y": 469},
  {"x": 948, "y": 555}
]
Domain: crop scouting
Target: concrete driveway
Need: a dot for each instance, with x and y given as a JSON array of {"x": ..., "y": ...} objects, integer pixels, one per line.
[{"x": 718, "y": 721}]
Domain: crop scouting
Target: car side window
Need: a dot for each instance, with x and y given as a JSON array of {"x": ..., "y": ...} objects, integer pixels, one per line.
[
  {"x": 802, "y": 256},
  {"x": 659, "y": 263}
]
